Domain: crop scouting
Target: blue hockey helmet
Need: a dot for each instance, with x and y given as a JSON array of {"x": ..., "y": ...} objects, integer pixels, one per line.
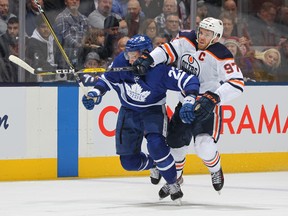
[{"x": 139, "y": 43}]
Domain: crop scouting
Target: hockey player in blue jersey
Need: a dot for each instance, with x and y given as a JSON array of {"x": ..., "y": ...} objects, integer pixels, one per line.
[
  {"x": 142, "y": 112},
  {"x": 221, "y": 80}
]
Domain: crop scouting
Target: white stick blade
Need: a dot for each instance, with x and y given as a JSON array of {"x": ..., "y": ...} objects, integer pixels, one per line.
[{"x": 21, "y": 63}]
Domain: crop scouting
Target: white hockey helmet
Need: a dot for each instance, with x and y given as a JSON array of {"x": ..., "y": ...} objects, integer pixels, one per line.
[{"x": 214, "y": 25}]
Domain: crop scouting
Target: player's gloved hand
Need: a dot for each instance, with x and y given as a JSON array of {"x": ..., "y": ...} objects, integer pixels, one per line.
[
  {"x": 142, "y": 64},
  {"x": 92, "y": 98},
  {"x": 204, "y": 107},
  {"x": 186, "y": 112}
]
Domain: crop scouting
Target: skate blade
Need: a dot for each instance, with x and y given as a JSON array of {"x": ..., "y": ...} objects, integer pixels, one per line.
[
  {"x": 160, "y": 198},
  {"x": 178, "y": 202},
  {"x": 219, "y": 192}
]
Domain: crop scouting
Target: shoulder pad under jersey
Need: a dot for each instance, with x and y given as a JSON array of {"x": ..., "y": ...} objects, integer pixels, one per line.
[
  {"x": 189, "y": 34},
  {"x": 220, "y": 51}
]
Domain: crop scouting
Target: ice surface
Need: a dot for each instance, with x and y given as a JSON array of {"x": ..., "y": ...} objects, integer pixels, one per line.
[{"x": 249, "y": 194}]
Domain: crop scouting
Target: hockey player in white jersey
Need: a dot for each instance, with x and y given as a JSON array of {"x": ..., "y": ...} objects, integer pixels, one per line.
[{"x": 221, "y": 80}]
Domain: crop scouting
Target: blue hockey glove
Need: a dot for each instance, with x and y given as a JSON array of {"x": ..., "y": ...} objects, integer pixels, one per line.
[
  {"x": 93, "y": 98},
  {"x": 186, "y": 112},
  {"x": 204, "y": 107},
  {"x": 142, "y": 64}
]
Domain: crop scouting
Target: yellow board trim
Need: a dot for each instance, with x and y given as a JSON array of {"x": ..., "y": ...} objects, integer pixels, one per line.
[
  {"x": 98, "y": 167},
  {"x": 231, "y": 163},
  {"x": 28, "y": 169}
]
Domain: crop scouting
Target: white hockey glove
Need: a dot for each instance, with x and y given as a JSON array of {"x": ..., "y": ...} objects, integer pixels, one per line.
[
  {"x": 186, "y": 112},
  {"x": 93, "y": 98}
]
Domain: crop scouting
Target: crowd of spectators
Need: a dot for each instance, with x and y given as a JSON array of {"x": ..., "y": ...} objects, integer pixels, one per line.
[{"x": 93, "y": 32}]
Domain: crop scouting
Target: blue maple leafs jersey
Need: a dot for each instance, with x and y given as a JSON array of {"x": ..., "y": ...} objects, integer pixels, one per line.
[{"x": 138, "y": 92}]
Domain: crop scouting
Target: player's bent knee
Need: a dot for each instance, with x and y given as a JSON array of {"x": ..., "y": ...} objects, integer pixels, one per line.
[
  {"x": 130, "y": 162},
  {"x": 156, "y": 146},
  {"x": 205, "y": 147}
]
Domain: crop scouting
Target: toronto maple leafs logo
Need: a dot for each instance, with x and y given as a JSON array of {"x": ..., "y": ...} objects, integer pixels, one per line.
[
  {"x": 136, "y": 78},
  {"x": 136, "y": 93}
]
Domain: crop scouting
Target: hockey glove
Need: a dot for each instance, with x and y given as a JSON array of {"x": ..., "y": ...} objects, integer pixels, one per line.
[
  {"x": 186, "y": 112},
  {"x": 204, "y": 107},
  {"x": 93, "y": 98},
  {"x": 142, "y": 64}
]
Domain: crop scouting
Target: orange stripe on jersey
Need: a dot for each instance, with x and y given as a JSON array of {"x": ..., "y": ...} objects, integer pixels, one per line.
[
  {"x": 237, "y": 82},
  {"x": 216, "y": 124},
  {"x": 169, "y": 51}
]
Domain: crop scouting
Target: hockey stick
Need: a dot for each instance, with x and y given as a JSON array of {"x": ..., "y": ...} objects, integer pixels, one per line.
[
  {"x": 30, "y": 69},
  {"x": 44, "y": 17},
  {"x": 21, "y": 63}
]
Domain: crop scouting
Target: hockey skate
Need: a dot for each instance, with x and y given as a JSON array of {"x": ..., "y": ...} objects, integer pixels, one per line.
[
  {"x": 164, "y": 191},
  {"x": 155, "y": 175},
  {"x": 174, "y": 190},
  {"x": 218, "y": 180}
]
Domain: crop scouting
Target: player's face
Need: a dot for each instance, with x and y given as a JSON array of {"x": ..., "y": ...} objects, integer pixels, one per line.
[
  {"x": 204, "y": 38},
  {"x": 132, "y": 56}
]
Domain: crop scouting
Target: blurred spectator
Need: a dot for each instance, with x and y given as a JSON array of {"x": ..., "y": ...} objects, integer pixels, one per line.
[
  {"x": 262, "y": 28},
  {"x": 149, "y": 28},
  {"x": 230, "y": 7},
  {"x": 5, "y": 15},
  {"x": 54, "y": 7},
  {"x": 183, "y": 9},
  {"x": 159, "y": 40},
  {"x": 92, "y": 60},
  {"x": 9, "y": 46},
  {"x": 121, "y": 45},
  {"x": 14, "y": 7},
  {"x": 214, "y": 7},
  {"x": 151, "y": 8},
  {"x": 9, "y": 40},
  {"x": 87, "y": 6},
  {"x": 282, "y": 20},
  {"x": 112, "y": 35},
  {"x": 169, "y": 7},
  {"x": 120, "y": 7},
  {"x": 172, "y": 26},
  {"x": 283, "y": 70},
  {"x": 266, "y": 65},
  {"x": 229, "y": 28},
  {"x": 31, "y": 14},
  {"x": 40, "y": 49},
  {"x": 97, "y": 17},
  {"x": 202, "y": 9},
  {"x": 71, "y": 27},
  {"x": 134, "y": 17},
  {"x": 94, "y": 42},
  {"x": 243, "y": 62},
  {"x": 187, "y": 22},
  {"x": 123, "y": 27}
]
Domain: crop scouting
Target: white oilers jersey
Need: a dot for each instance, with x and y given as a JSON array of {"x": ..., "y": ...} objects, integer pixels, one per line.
[{"x": 215, "y": 67}]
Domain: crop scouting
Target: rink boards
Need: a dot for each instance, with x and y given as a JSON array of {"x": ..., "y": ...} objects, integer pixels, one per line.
[{"x": 46, "y": 133}]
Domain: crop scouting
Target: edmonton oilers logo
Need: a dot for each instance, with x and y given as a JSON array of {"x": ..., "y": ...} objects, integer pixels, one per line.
[{"x": 190, "y": 65}]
